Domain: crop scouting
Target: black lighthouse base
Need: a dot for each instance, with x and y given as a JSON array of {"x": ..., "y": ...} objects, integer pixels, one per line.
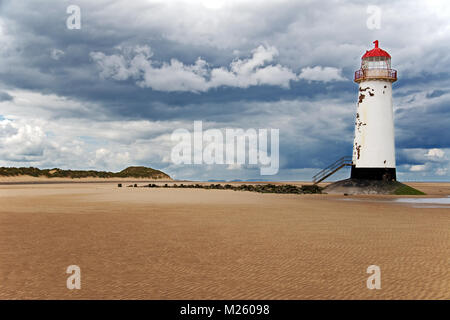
[
  {"x": 371, "y": 181},
  {"x": 384, "y": 174}
]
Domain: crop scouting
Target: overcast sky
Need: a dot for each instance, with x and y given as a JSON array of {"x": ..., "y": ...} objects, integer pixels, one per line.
[{"x": 110, "y": 94}]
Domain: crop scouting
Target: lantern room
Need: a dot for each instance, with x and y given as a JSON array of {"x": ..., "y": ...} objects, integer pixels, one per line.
[{"x": 376, "y": 64}]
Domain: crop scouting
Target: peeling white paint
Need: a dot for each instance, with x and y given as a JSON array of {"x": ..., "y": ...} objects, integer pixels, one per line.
[{"x": 374, "y": 145}]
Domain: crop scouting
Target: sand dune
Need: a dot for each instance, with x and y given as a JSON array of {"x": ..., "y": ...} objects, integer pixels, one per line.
[
  {"x": 44, "y": 179},
  {"x": 215, "y": 244}
]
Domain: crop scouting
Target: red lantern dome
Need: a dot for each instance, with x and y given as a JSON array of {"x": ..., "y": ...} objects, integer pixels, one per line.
[{"x": 376, "y": 52}]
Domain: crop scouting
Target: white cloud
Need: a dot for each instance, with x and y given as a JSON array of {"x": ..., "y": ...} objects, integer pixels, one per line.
[
  {"x": 234, "y": 166},
  {"x": 56, "y": 54},
  {"x": 435, "y": 153},
  {"x": 324, "y": 74},
  {"x": 19, "y": 140},
  {"x": 76, "y": 143},
  {"x": 429, "y": 156},
  {"x": 428, "y": 163},
  {"x": 431, "y": 162},
  {"x": 81, "y": 144},
  {"x": 442, "y": 171},
  {"x": 110, "y": 159},
  {"x": 417, "y": 167},
  {"x": 136, "y": 63}
]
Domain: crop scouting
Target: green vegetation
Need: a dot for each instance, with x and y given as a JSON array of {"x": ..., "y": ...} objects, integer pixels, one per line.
[
  {"x": 262, "y": 188},
  {"x": 407, "y": 190},
  {"x": 130, "y": 172},
  {"x": 141, "y": 172}
]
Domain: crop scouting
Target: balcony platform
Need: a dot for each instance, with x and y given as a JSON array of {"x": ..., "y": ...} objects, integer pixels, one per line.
[{"x": 376, "y": 74}]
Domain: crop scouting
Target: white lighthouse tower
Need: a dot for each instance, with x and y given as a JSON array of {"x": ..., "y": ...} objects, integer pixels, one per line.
[{"x": 374, "y": 148}]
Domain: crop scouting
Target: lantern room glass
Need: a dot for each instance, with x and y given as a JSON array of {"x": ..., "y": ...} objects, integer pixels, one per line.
[{"x": 376, "y": 63}]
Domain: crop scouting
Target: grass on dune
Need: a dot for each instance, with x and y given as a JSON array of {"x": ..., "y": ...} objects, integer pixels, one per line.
[
  {"x": 407, "y": 190},
  {"x": 135, "y": 172}
]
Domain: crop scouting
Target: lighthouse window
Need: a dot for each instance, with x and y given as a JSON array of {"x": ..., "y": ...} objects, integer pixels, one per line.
[{"x": 376, "y": 63}]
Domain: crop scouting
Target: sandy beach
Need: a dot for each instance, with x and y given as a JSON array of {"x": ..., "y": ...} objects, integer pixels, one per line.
[{"x": 144, "y": 243}]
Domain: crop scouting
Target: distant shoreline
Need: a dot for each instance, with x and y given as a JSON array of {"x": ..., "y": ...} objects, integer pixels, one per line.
[{"x": 14, "y": 180}]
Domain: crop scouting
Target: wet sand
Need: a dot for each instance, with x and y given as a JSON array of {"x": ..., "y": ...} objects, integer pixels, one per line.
[{"x": 143, "y": 243}]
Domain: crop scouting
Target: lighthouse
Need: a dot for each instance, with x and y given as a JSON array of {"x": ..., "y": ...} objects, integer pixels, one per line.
[
  {"x": 373, "y": 159},
  {"x": 374, "y": 147}
]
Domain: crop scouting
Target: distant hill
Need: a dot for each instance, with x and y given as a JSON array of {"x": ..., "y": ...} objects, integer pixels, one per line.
[{"x": 130, "y": 172}]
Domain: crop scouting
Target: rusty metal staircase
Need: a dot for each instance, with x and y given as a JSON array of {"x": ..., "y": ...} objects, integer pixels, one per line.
[{"x": 332, "y": 168}]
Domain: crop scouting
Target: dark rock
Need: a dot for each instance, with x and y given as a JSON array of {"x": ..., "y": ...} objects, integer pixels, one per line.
[{"x": 365, "y": 186}]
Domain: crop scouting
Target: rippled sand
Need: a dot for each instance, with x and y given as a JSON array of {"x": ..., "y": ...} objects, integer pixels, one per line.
[{"x": 215, "y": 244}]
